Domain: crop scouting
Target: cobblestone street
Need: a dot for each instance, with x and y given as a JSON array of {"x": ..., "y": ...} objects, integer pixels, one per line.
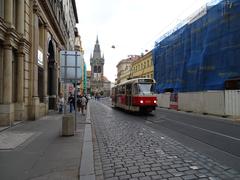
[{"x": 129, "y": 149}]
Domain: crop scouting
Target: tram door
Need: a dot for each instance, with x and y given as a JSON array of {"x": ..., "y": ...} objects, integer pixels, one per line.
[{"x": 129, "y": 95}]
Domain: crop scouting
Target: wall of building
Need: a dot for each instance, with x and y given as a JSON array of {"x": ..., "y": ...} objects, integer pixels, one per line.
[
  {"x": 31, "y": 37},
  {"x": 143, "y": 67}
]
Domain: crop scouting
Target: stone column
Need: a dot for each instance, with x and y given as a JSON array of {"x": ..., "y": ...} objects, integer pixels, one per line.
[
  {"x": 35, "y": 55},
  {"x": 7, "y": 74},
  {"x": 45, "y": 76},
  {"x": 7, "y": 108},
  {"x": 55, "y": 70},
  {"x": 20, "y": 78},
  {"x": 34, "y": 112},
  {"x": 55, "y": 77},
  {"x": 19, "y": 106},
  {"x": 20, "y": 16},
  {"x": 8, "y": 11}
]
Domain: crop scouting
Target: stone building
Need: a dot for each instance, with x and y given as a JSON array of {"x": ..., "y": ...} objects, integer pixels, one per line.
[
  {"x": 32, "y": 33},
  {"x": 124, "y": 68},
  {"x": 97, "y": 65},
  {"x": 106, "y": 87},
  {"x": 98, "y": 83}
]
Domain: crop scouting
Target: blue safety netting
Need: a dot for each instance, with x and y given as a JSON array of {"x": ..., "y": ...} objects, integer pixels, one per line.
[{"x": 202, "y": 54}]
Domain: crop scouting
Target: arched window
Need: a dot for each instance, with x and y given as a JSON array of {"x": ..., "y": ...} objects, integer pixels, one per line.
[
  {"x": 95, "y": 70},
  {"x": 99, "y": 69}
]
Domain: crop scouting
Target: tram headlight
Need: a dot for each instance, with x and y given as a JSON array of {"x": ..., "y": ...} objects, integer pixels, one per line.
[
  {"x": 155, "y": 101},
  {"x": 141, "y": 101}
]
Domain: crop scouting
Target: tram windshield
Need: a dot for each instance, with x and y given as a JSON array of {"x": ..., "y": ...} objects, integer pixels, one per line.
[{"x": 145, "y": 88}]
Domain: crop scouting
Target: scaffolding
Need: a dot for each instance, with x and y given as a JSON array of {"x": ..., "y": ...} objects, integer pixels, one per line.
[{"x": 202, "y": 52}]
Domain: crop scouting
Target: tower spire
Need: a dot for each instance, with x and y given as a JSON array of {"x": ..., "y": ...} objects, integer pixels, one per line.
[
  {"x": 97, "y": 50},
  {"x": 97, "y": 40}
]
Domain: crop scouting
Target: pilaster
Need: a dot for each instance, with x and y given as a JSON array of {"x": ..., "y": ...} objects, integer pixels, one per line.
[
  {"x": 20, "y": 16},
  {"x": 45, "y": 76},
  {"x": 7, "y": 74},
  {"x": 7, "y": 108},
  {"x": 8, "y": 11},
  {"x": 20, "y": 76},
  {"x": 19, "y": 106},
  {"x": 34, "y": 110}
]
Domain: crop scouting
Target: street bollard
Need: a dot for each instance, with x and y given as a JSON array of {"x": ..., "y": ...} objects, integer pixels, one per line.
[{"x": 68, "y": 125}]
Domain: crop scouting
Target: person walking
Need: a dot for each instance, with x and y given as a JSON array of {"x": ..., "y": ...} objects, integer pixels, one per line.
[
  {"x": 71, "y": 101},
  {"x": 84, "y": 103},
  {"x": 79, "y": 102},
  {"x": 60, "y": 103}
]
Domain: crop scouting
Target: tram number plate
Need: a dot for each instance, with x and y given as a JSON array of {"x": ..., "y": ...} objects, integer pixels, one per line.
[{"x": 147, "y": 101}]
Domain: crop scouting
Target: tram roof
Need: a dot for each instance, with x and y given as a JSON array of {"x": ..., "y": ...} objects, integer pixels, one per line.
[{"x": 135, "y": 80}]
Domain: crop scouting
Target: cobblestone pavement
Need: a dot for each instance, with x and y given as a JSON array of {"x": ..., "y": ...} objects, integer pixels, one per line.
[{"x": 129, "y": 149}]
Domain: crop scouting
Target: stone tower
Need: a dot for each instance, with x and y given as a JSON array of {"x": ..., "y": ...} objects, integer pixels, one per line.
[{"x": 97, "y": 64}]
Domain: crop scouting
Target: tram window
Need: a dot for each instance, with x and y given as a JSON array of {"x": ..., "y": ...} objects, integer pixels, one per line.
[
  {"x": 121, "y": 89},
  {"x": 135, "y": 89},
  {"x": 129, "y": 89},
  {"x": 146, "y": 88}
]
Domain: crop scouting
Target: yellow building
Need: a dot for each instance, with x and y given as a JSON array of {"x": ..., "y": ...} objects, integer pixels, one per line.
[
  {"x": 143, "y": 67},
  {"x": 124, "y": 68}
]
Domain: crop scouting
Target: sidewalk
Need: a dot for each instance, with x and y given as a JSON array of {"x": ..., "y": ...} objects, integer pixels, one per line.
[{"x": 36, "y": 150}]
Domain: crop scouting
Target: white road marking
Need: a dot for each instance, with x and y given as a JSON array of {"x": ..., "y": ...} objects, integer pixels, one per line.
[{"x": 206, "y": 130}]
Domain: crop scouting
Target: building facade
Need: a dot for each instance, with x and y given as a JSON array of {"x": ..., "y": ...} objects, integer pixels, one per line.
[
  {"x": 106, "y": 87},
  {"x": 97, "y": 67},
  {"x": 88, "y": 82},
  {"x": 81, "y": 85},
  {"x": 124, "y": 68},
  {"x": 32, "y": 34},
  {"x": 143, "y": 67}
]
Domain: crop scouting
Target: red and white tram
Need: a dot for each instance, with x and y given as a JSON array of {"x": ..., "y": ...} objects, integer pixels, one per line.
[{"x": 135, "y": 95}]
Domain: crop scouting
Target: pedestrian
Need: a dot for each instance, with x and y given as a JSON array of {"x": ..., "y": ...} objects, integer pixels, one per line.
[
  {"x": 79, "y": 102},
  {"x": 60, "y": 103},
  {"x": 71, "y": 101},
  {"x": 83, "y": 104},
  {"x": 86, "y": 101}
]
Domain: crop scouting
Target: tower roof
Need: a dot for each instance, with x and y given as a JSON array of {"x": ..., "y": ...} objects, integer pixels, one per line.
[{"x": 97, "y": 50}]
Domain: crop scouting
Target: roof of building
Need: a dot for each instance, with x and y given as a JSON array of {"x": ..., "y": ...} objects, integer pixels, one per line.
[
  {"x": 131, "y": 58},
  {"x": 105, "y": 79}
]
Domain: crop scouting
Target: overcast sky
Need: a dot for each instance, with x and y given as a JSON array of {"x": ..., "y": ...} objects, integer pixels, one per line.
[{"x": 132, "y": 26}]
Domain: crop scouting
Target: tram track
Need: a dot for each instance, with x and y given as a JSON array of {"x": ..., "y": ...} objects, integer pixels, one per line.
[
  {"x": 215, "y": 137},
  {"x": 224, "y": 142}
]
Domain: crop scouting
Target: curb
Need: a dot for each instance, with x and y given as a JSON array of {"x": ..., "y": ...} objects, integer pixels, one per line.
[{"x": 86, "y": 171}]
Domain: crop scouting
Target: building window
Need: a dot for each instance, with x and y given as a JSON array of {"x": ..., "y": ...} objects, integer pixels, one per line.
[
  {"x": 148, "y": 63},
  {"x": 2, "y": 8},
  {"x": 99, "y": 69},
  {"x": 95, "y": 70}
]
